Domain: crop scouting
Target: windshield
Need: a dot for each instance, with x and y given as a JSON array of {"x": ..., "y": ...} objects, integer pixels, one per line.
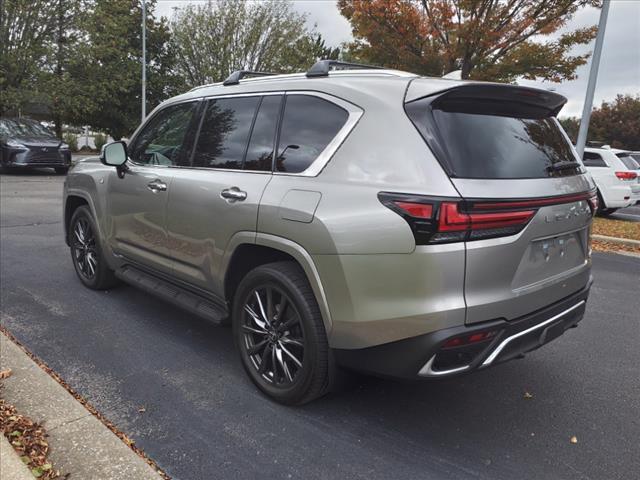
[
  {"x": 23, "y": 128},
  {"x": 628, "y": 161}
]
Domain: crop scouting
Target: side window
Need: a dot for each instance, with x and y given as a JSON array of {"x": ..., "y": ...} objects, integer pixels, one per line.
[
  {"x": 260, "y": 152},
  {"x": 309, "y": 124},
  {"x": 591, "y": 159},
  {"x": 161, "y": 140},
  {"x": 225, "y": 132}
]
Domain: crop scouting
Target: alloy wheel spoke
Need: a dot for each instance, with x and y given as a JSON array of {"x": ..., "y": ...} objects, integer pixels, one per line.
[
  {"x": 262, "y": 311},
  {"x": 291, "y": 356},
  {"x": 283, "y": 365},
  {"x": 274, "y": 365},
  {"x": 257, "y": 347},
  {"x": 263, "y": 363},
  {"x": 248, "y": 329},
  {"x": 292, "y": 341},
  {"x": 255, "y": 317}
]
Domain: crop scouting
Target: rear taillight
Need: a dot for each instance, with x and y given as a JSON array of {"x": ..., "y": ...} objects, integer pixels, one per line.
[
  {"x": 627, "y": 175},
  {"x": 438, "y": 220}
]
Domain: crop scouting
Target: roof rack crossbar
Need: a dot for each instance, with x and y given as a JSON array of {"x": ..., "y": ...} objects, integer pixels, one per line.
[
  {"x": 235, "y": 77},
  {"x": 321, "y": 68}
]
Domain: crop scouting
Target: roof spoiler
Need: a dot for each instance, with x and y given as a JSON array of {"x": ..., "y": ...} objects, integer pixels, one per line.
[{"x": 490, "y": 96}]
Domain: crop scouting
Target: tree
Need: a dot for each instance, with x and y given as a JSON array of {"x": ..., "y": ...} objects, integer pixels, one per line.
[
  {"x": 108, "y": 63},
  {"x": 614, "y": 123},
  {"x": 25, "y": 27},
  {"x": 214, "y": 39},
  {"x": 485, "y": 39}
]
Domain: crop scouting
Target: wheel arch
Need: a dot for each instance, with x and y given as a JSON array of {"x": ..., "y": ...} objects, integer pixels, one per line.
[{"x": 249, "y": 250}]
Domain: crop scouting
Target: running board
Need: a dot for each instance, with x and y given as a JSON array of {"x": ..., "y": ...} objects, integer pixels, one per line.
[{"x": 174, "y": 294}]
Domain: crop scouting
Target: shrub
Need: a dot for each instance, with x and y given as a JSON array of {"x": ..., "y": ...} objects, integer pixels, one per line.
[
  {"x": 100, "y": 140},
  {"x": 71, "y": 140}
]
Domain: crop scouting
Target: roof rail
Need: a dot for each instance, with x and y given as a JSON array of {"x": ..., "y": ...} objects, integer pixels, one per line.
[
  {"x": 235, "y": 77},
  {"x": 321, "y": 68}
]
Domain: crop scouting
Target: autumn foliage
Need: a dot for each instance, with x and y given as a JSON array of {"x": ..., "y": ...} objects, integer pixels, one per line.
[{"x": 485, "y": 39}]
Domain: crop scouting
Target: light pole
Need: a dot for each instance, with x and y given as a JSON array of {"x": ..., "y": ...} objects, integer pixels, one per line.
[
  {"x": 593, "y": 78},
  {"x": 144, "y": 60}
]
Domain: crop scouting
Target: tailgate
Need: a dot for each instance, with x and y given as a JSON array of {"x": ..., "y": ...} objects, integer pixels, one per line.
[{"x": 527, "y": 199}]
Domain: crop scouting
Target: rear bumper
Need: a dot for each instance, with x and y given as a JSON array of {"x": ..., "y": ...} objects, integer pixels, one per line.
[{"x": 418, "y": 357}]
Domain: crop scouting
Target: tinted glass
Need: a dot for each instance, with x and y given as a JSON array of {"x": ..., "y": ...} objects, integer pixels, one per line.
[
  {"x": 225, "y": 132},
  {"x": 309, "y": 124},
  {"x": 22, "y": 127},
  {"x": 591, "y": 159},
  {"x": 628, "y": 161},
  {"x": 260, "y": 152},
  {"x": 492, "y": 146},
  {"x": 636, "y": 157},
  {"x": 161, "y": 140}
]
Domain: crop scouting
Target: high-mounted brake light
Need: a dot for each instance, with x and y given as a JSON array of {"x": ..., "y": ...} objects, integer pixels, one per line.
[
  {"x": 627, "y": 175},
  {"x": 443, "y": 220}
]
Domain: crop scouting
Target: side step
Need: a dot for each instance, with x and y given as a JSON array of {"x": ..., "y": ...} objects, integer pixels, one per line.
[{"x": 174, "y": 294}]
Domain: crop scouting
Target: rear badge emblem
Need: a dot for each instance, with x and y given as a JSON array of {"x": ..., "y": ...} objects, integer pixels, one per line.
[{"x": 574, "y": 211}]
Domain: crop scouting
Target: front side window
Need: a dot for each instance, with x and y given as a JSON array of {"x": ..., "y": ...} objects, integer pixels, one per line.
[
  {"x": 225, "y": 131},
  {"x": 591, "y": 159},
  {"x": 161, "y": 140},
  {"x": 308, "y": 126}
]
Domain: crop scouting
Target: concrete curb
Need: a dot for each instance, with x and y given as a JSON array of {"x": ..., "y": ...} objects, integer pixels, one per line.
[
  {"x": 621, "y": 241},
  {"x": 80, "y": 443},
  {"x": 11, "y": 467}
]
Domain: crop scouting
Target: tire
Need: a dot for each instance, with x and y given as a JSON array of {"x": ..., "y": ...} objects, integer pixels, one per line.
[
  {"x": 61, "y": 170},
  {"x": 86, "y": 252},
  {"x": 267, "y": 349}
]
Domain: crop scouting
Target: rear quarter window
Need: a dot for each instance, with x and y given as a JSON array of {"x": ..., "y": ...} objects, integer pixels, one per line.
[{"x": 308, "y": 126}]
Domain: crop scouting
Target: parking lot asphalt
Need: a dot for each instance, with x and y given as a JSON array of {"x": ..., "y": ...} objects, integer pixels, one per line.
[{"x": 123, "y": 350}]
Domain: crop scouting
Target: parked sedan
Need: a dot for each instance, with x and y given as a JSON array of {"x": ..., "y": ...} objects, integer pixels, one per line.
[{"x": 25, "y": 143}]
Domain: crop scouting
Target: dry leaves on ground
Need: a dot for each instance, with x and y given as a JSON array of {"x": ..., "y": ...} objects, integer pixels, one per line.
[
  {"x": 6, "y": 373},
  {"x": 29, "y": 439},
  {"x": 616, "y": 228},
  {"x": 600, "y": 246}
]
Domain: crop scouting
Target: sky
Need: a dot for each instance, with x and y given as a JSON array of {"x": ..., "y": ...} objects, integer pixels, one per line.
[{"x": 619, "y": 67}]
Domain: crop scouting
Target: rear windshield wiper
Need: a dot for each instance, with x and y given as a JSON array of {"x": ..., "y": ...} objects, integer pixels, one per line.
[{"x": 562, "y": 166}]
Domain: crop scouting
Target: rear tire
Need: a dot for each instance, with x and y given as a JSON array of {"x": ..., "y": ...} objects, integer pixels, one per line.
[
  {"x": 278, "y": 329},
  {"x": 61, "y": 170},
  {"x": 86, "y": 252},
  {"x": 602, "y": 208}
]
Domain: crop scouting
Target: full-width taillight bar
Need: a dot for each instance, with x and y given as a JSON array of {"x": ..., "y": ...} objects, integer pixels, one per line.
[{"x": 446, "y": 220}]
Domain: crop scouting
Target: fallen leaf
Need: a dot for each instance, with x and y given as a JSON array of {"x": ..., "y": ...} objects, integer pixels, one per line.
[
  {"x": 574, "y": 439},
  {"x": 142, "y": 409},
  {"x": 527, "y": 395},
  {"x": 6, "y": 373}
]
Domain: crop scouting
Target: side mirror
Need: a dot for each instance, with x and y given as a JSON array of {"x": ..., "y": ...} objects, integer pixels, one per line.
[{"x": 114, "y": 154}]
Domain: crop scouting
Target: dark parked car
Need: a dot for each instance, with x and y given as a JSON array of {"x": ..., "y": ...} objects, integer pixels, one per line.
[{"x": 25, "y": 143}]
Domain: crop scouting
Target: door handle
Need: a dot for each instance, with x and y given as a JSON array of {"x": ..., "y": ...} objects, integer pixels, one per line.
[
  {"x": 233, "y": 193},
  {"x": 157, "y": 186}
]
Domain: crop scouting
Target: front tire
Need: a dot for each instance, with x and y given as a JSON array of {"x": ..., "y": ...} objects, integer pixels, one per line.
[
  {"x": 86, "y": 252},
  {"x": 278, "y": 329}
]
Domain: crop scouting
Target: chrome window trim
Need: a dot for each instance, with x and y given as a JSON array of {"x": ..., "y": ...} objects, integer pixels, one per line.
[{"x": 313, "y": 170}]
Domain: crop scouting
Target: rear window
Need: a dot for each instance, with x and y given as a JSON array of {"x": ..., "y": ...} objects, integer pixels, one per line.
[
  {"x": 628, "y": 161},
  {"x": 473, "y": 144}
]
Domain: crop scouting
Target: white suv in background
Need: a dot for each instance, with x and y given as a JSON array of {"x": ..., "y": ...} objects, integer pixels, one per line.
[{"x": 616, "y": 175}]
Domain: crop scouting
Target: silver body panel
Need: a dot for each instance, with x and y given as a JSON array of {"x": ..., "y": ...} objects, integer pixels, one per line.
[{"x": 371, "y": 281}]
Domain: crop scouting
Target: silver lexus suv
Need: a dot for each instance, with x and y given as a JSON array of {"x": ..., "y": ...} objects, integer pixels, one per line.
[{"x": 350, "y": 217}]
